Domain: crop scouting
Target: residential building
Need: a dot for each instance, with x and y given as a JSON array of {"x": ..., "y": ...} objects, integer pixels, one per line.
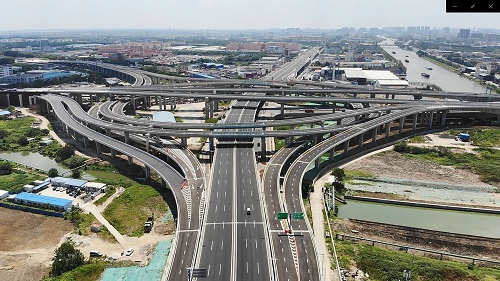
[{"x": 6, "y": 70}]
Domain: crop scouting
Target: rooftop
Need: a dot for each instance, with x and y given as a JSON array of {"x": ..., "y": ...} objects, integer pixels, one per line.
[{"x": 43, "y": 199}]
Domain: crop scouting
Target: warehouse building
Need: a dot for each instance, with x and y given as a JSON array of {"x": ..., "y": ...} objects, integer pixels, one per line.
[{"x": 44, "y": 202}]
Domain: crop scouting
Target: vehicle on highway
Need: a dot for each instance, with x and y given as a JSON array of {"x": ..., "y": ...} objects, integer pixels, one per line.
[
  {"x": 425, "y": 75},
  {"x": 248, "y": 211}
]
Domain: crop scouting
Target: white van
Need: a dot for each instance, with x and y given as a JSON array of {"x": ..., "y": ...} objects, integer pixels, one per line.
[{"x": 248, "y": 211}]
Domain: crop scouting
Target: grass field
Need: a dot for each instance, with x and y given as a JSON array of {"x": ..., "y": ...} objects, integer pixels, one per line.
[
  {"x": 16, "y": 180},
  {"x": 383, "y": 264}
]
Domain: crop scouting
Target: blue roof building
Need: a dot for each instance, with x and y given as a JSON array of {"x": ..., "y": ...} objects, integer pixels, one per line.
[{"x": 36, "y": 200}]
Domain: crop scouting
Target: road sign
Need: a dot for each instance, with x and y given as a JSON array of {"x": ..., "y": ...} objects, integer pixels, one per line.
[
  {"x": 298, "y": 216},
  {"x": 282, "y": 216}
]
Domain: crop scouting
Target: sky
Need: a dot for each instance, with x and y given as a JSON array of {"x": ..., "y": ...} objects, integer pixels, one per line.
[{"x": 233, "y": 14}]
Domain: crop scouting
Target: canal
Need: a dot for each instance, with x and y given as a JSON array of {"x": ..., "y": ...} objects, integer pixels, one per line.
[
  {"x": 441, "y": 220},
  {"x": 442, "y": 77}
]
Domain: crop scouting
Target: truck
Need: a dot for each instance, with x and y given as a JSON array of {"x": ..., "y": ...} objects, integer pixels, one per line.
[
  {"x": 148, "y": 225},
  {"x": 309, "y": 111}
]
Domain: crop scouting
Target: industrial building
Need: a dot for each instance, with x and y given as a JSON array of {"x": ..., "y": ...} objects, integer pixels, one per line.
[
  {"x": 41, "y": 201},
  {"x": 378, "y": 78},
  {"x": 68, "y": 183},
  {"x": 92, "y": 187}
]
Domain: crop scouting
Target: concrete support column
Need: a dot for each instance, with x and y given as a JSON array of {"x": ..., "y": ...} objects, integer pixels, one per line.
[
  {"x": 387, "y": 129},
  {"x": 134, "y": 106},
  {"x": 108, "y": 132},
  {"x": 30, "y": 101},
  {"x": 113, "y": 152},
  {"x": 79, "y": 99},
  {"x": 98, "y": 148},
  {"x": 21, "y": 100},
  {"x": 393, "y": 96},
  {"x": 374, "y": 136},
  {"x": 361, "y": 139},
  {"x": 207, "y": 107},
  {"x": 127, "y": 137},
  {"x": 91, "y": 99},
  {"x": 8, "y": 99},
  {"x": 346, "y": 146},
  {"x": 401, "y": 124},
  {"x": 184, "y": 142},
  {"x": 332, "y": 154},
  {"x": 147, "y": 143},
  {"x": 386, "y": 96},
  {"x": 172, "y": 103},
  {"x": 163, "y": 183},
  {"x": 431, "y": 119},
  {"x": 356, "y": 118},
  {"x": 263, "y": 149},
  {"x": 339, "y": 122},
  {"x": 216, "y": 105},
  {"x": 130, "y": 160},
  {"x": 422, "y": 118},
  {"x": 415, "y": 117},
  {"x": 85, "y": 142},
  {"x": 288, "y": 140},
  {"x": 443, "y": 119},
  {"x": 282, "y": 111},
  {"x": 148, "y": 172}
]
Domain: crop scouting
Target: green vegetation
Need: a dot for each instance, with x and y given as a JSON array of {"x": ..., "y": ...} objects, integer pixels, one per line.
[
  {"x": 53, "y": 172},
  {"x": 211, "y": 120},
  {"x": 5, "y": 168},
  {"x": 87, "y": 272},
  {"x": 485, "y": 137},
  {"x": 74, "y": 161},
  {"x": 417, "y": 139},
  {"x": 14, "y": 135},
  {"x": 383, "y": 264},
  {"x": 356, "y": 174},
  {"x": 485, "y": 163},
  {"x": 16, "y": 180},
  {"x": 66, "y": 258},
  {"x": 278, "y": 143},
  {"x": 82, "y": 222},
  {"x": 128, "y": 212},
  {"x": 282, "y": 128}
]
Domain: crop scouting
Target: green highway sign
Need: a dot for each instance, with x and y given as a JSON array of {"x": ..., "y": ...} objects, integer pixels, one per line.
[
  {"x": 282, "y": 216},
  {"x": 298, "y": 216}
]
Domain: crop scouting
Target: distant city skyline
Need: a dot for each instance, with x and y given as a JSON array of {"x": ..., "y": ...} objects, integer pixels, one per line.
[{"x": 241, "y": 14}]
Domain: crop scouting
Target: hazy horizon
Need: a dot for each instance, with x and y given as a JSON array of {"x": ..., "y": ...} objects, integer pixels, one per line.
[{"x": 31, "y": 15}]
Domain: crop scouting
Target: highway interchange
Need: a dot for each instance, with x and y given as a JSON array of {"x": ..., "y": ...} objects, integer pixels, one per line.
[{"x": 214, "y": 229}]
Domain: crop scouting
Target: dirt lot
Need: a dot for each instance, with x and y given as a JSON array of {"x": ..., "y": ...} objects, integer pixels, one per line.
[
  {"x": 28, "y": 244},
  {"x": 467, "y": 245},
  {"x": 392, "y": 165}
]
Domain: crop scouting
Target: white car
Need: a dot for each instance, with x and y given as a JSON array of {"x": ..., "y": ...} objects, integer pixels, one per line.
[{"x": 129, "y": 252}]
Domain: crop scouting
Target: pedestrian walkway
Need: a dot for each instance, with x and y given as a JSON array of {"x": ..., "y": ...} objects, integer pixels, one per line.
[
  {"x": 93, "y": 210},
  {"x": 316, "y": 200}
]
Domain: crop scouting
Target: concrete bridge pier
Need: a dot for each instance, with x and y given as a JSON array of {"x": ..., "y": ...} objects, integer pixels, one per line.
[
  {"x": 108, "y": 132},
  {"x": 331, "y": 154},
  {"x": 339, "y": 122},
  {"x": 130, "y": 160},
  {"x": 112, "y": 152},
  {"x": 173, "y": 104},
  {"x": 374, "y": 135},
  {"x": 216, "y": 105},
  {"x": 79, "y": 99},
  {"x": 282, "y": 111},
  {"x": 134, "y": 106},
  {"x": 288, "y": 140},
  {"x": 443, "y": 118},
  {"x": 401, "y": 124},
  {"x": 346, "y": 147},
  {"x": 127, "y": 137},
  {"x": 207, "y": 107},
  {"x": 164, "y": 101},
  {"x": 361, "y": 139},
  {"x": 147, "y": 170},
  {"x": 263, "y": 149},
  {"x": 415, "y": 117},
  {"x": 98, "y": 148},
  {"x": 184, "y": 141},
  {"x": 86, "y": 142},
  {"x": 431, "y": 119},
  {"x": 21, "y": 100},
  {"x": 147, "y": 142},
  {"x": 388, "y": 129}
]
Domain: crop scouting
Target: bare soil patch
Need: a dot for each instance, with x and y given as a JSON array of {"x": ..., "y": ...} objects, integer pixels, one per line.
[
  {"x": 28, "y": 243},
  {"x": 391, "y": 164}
]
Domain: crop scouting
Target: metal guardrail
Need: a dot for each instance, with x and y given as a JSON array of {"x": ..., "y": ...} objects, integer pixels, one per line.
[{"x": 407, "y": 247}]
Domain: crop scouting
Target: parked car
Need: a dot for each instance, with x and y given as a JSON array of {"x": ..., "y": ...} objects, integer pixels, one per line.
[
  {"x": 95, "y": 254},
  {"x": 129, "y": 252}
]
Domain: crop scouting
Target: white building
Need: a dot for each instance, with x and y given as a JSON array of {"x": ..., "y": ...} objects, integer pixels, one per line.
[{"x": 6, "y": 70}]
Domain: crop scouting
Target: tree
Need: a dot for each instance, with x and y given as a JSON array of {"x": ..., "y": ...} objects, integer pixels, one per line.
[
  {"x": 65, "y": 152},
  {"x": 339, "y": 174},
  {"x": 5, "y": 168},
  {"x": 11, "y": 108},
  {"x": 53, "y": 173},
  {"x": 23, "y": 141},
  {"x": 66, "y": 258},
  {"x": 76, "y": 174},
  {"x": 3, "y": 133}
]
